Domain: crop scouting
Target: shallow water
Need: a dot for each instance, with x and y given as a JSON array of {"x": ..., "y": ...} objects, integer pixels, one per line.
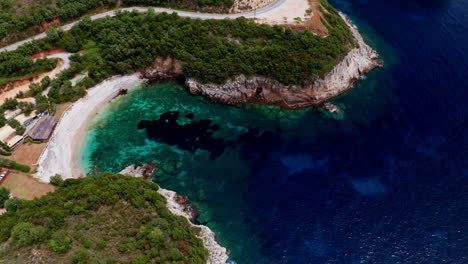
[{"x": 386, "y": 184}]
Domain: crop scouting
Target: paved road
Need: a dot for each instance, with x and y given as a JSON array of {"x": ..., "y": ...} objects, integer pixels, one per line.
[{"x": 199, "y": 15}]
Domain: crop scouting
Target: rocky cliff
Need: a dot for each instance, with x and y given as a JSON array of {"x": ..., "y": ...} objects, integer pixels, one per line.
[
  {"x": 262, "y": 90},
  {"x": 180, "y": 205}
]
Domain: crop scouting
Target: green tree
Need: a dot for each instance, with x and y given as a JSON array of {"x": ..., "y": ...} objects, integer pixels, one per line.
[
  {"x": 4, "y": 196},
  {"x": 54, "y": 34},
  {"x": 60, "y": 243},
  {"x": 42, "y": 104},
  {"x": 11, "y": 205},
  {"x": 56, "y": 180},
  {"x": 10, "y": 103},
  {"x": 26, "y": 234}
]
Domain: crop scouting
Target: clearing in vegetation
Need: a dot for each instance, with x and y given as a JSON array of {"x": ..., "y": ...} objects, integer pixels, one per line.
[{"x": 26, "y": 187}]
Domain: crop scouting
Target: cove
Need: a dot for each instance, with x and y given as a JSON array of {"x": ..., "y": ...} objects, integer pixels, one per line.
[{"x": 385, "y": 184}]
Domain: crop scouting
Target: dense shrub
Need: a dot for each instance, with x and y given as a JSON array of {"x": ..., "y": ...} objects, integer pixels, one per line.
[
  {"x": 80, "y": 256},
  {"x": 4, "y": 196},
  {"x": 56, "y": 180},
  {"x": 26, "y": 234},
  {"x": 117, "y": 226},
  {"x": 60, "y": 243},
  {"x": 42, "y": 11},
  {"x": 11, "y": 205},
  {"x": 13, "y": 165}
]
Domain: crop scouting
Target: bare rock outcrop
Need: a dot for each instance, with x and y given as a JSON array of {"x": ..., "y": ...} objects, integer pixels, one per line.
[
  {"x": 164, "y": 69},
  {"x": 180, "y": 205},
  {"x": 245, "y": 5}
]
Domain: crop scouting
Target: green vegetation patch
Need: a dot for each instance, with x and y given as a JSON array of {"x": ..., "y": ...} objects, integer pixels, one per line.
[
  {"x": 99, "y": 219},
  {"x": 19, "y": 16},
  {"x": 210, "y": 50},
  {"x": 6, "y": 163}
]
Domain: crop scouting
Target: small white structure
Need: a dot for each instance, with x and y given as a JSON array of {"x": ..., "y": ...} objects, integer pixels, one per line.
[
  {"x": 8, "y": 136},
  {"x": 10, "y": 114},
  {"x": 14, "y": 141},
  {"x": 6, "y": 132}
]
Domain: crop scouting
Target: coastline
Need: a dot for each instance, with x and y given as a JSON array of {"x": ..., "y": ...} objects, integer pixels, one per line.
[
  {"x": 65, "y": 145},
  {"x": 262, "y": 90},
  {"x": 181, "y": 206},
  {"x": 217, "y": 253},
  {"x": 63, "y": 148}
]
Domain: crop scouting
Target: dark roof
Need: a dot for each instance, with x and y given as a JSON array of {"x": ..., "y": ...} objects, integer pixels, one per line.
[{"x": 44, "y": 128}]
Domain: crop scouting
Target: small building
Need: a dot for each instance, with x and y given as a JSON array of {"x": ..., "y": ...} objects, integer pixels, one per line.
[
  {"x": 44, "y": 128},
  {"x": 9, "y": 137},
  {"x": 25, "y": 120},
  {"x": 5, "y": 133},
  {"x": 14, "y": 140},
  {"x": 10, "y": 114}
]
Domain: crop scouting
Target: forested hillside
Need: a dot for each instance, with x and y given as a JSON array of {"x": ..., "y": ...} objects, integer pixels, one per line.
[
  {"x": 20, "y": 18},
  {"x": 211, "y": 50},
  {"x": 98, "y": 219}
]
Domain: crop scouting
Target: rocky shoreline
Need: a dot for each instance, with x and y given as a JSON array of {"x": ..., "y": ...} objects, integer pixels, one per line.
[
  {"x": 262, "y": 90},
  {"x": 180, "y": 205}
]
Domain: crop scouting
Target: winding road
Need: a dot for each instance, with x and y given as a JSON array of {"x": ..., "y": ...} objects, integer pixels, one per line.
[{"x": 250, "y": 14}]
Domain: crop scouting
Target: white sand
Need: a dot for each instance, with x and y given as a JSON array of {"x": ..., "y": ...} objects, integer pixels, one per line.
[{"x": 60, "y": 156}]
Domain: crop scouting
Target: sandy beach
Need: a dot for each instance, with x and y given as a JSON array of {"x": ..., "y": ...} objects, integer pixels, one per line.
[{"x": 60, "y": 155}]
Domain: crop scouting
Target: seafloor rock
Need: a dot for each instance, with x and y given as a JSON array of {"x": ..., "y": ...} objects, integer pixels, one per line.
[{"x": 180, "y": 205}]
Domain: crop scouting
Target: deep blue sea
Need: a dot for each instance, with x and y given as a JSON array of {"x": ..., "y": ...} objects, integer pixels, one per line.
[{"x": 386, "y": 184}]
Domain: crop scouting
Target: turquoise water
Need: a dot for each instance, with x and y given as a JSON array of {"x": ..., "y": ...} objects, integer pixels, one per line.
[
  {"x": 217, "y": 186},
  {"x": 385, "y": 184}
]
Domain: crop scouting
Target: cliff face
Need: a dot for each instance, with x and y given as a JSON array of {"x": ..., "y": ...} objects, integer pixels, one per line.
[
  {"x": 359, "y": 61},
  {"x": 262, "y": 90},
  {"x": 180, "y": 205}
]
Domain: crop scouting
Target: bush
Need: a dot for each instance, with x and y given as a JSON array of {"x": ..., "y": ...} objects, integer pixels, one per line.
[
  {"x": 80, "y": 256},
  {"x": 5, "y": 153},
  {"x": 27, "y": 234},
  {"x": 87, "y": 244},
  {"x": 10, "y": 104},
  {"x": 101, "y": 244},
  {"x": 4, "y": 196},
  {"x": 56, "y": 180},
  {"x": 13, "y": 165},
  {"x": 20, "y": 130},
  {"x": 60, "y": 243},
  {"x": 13, "y": 204}
]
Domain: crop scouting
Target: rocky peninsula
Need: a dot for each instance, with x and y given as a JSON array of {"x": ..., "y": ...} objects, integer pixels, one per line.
[
  {"x": 180, "y": 205},
  {"x": 261, "y": 90}
]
